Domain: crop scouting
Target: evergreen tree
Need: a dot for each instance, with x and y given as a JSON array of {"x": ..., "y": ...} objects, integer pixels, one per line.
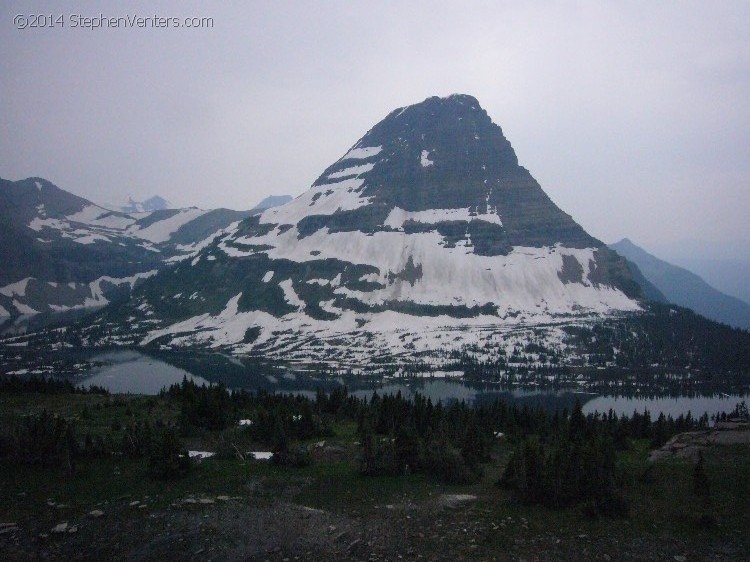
[
  {"x": 577, "y": 426},
  {"x": 168, "y": 459},
  {"x": 701, "y": 485},
  {"x": 279, "y": 441}
]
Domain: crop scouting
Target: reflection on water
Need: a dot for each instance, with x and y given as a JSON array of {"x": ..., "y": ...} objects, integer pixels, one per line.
[
  {"x": 669, "y": 406},
  {"x": 135, "y": 373},
  {"x": 435, "y": 390}
]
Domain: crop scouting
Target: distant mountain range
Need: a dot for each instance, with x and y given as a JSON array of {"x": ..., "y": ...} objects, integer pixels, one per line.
[
  {"x": 724, "y": 265},
  {"x": 155, "y": 203},
  {"x": 682, "y": 287},
  {"x": 426, "y": 247},
  {"x": 730, "y": 276},
  {"x": 61, "y": 252}
]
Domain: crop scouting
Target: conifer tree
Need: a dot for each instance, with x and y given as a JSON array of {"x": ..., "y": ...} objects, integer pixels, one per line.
[{"x": 701, "y": 485}]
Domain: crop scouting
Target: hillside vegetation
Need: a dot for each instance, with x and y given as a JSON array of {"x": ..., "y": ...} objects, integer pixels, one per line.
[{"x": 352, "y": 479}]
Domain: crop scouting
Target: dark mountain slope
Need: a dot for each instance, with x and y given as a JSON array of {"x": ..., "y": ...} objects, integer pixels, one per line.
[{"x": 685, "y": 288}]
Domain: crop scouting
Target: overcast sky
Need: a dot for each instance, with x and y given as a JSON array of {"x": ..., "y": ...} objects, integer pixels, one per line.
[{"x": 633, "y": 116}]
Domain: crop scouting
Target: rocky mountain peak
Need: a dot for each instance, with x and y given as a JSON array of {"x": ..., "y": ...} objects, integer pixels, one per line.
[
  {"x": 438, "y": 138},
  {"x": 443, "y": 164},
  {"x": 25, "y": 198}
]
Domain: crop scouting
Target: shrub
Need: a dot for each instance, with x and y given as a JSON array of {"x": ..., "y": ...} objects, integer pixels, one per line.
[
  {"x": 448, "y": 464},
  {"x": 295, "y": 457},
  {"x": 43, "y": 440},
  {"x": 137, "y": 440},
  {"x": 379, "y": 457},
  {"x": 701, "y": 485},
  {"x": 168, "y": 459}
]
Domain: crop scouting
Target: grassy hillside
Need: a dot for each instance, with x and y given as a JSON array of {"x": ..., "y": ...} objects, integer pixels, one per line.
[{"x": 327, "y": 508}]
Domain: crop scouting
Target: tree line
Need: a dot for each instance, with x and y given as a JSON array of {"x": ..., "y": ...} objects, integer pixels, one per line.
[{"x": 556, "y": 458}]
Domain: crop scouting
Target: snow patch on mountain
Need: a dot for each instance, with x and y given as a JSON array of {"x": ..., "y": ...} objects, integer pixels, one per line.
[
  {"x": 38, "y": 223},
  {"x": 95, "y": 215},
  {"x": 96, "y": 286},
  {"x": 91, "y": 238},
  {"x": 290, "y": 295},
  {"x": 32, "y": 296},
  {"x": 192, "y": 250},
  {"x": 162, "y": 230},
  {"x": 23, "y": 308},
  {"x": 93, "y": 223},
  {"x": 528, "y": 279},
  {"x": 325, "y": 199},
  {"x": 297, "y": 337},
  {"x": 228, "y": 325},
  {"x": 16, "y": 289},
  {"x": 362, "y": 153},
  {"x": 397, "y": 217},
  {"x": 352, "y": 171}
]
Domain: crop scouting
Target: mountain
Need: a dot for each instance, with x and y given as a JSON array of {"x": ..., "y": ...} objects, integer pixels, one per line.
[
  {"x": 685, "y": 288},
  {"x": 725, "y": 265},
  {"x": 154, "y": 203},
  {"x": 426, "y": 238},
  {"x": 272, "y": 201},
  {"x": 61, "y": 252},
  {"x": 730, "y": 276},
  {"x": 650, "y": 292}
]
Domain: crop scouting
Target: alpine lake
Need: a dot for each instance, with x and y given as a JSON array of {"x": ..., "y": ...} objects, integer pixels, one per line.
[
  {"x": 135, "y": 372},
  {"x": 129, "y": 371}
]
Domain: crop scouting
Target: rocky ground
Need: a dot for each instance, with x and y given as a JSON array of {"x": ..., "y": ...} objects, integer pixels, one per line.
[
  {"x": 445, "y": 527},
  {"x": 689, "y": 445}
]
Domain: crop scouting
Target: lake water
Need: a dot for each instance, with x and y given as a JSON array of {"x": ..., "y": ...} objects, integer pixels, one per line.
[
  {"x": 696, "y": 405},
  {"x": 137, "y": 373}
]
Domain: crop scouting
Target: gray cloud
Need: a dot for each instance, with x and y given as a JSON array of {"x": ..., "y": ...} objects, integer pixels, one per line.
[{"x": 633, "y": 116}]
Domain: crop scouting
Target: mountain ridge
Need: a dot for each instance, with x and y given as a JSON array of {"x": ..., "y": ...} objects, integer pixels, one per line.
[
  {"x": 685, "y": 288},
  {"x": 61, "y": 251}
]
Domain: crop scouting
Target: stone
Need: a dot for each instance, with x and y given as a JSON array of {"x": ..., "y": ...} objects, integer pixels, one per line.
[
  {"x": 456, "y": 501},
  {"x": 96, "y": 513},
  {"x": 60, "y": 528}
]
